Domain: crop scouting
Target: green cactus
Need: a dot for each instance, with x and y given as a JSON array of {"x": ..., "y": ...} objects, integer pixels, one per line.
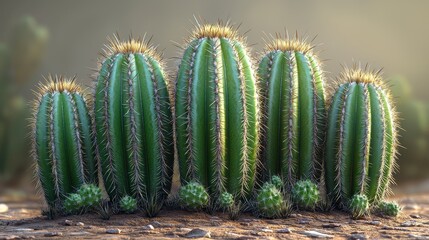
[
  {"x": 133, "y": 124},
  {"x": 226, "y": 200},
  {"x": 91, "y": 195},
  {"x": 306, "y": 194},
  {"x": 391, "y": 209},
  {"x": 73, "y": 203},
  {"x": 128, "y": 204},
  {"x": 359, "y": 206},
  {"x": 270, "y": 202},
  {"x": 216, "y": 113},
  {"x": 361, "y": 139},
  {"x": 277, "y": 181},
  {"x": 193, "y": 196},
  {"x": 62, "y": 141}
]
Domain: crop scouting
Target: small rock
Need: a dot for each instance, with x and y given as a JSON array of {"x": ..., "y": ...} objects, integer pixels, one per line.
[
  {"x": 304, "y": 221},
  {"x": 3, "y": 208},
  {"x": 197, "y": 233},
  {"x": 156, "y": 224},
  {"x": 418, "y": 237},
  {"x": 81, "y": 233},
  {"x": 295, "y": 215},
  {"x": 410, "y": 223},
  {"x": 10, "y": 237},
  {"x": 184, "y": 229},
  {"x": 53, "y": 234},
  {"x": 23, "y": 229},
  {"x": 395, "y": 228},
  {"x": 376, "y": 223},
  {"x": 415, "y": 216},
  {"x": 316, "y": 234},
  {"x": 267, "y": 230},
  {"x": 80, "y": 224},
  {"x": 148, "y": 227},
  {"x": 284, "y": 230},
  {"x": 114, "y": 231},
  {"x": 331, "y": 225},
  {"x": 68, "y": 222},
  {"x": 246, "y": 224},
  {"x": 232, "y": 235},
  {"x": 357, "y": 236}
]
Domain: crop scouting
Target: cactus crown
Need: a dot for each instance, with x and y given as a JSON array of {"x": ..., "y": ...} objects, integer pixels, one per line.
[
  {"x": 59, "y": 83},
  {"x": 140, "y": 45},
  {"x": 284, "y": 44},
  {"x": 361, "y": 75},
  {"x": 218, "y": 30}
]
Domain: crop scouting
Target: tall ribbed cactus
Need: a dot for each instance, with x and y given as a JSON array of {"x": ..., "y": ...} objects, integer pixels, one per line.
[
  {"x": 361, "y": 139},
  {"x": 216, "y": 112},
  {"x": 293, "y": 110},
  {"x": 62, "y": 142},
  {"x": 134, "y": 124}
]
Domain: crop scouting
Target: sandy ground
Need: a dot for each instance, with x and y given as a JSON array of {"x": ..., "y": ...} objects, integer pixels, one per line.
[{"x": 23, "y": 220}]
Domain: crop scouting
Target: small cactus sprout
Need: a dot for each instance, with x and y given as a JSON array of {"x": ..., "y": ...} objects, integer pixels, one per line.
[
  {"x": 133, "y": 124},
  {"x": 361, "y": 139},
  {"x": 216, "y": 112},
  {"x": 305, "y": 194},
  {"x": 277, "y": 181},
  {"x": 359, "y": 206},
  {"x": 293, "y": 110},
  {"x": 128, "y": 204},
  {"x": 193, "y": 196},
  {"x": 62, "y": 140},
  {"x": 270, "y": 200},
  {"x": 226, "y": 200},
  {"x": 390, "y": 209},
  {"x": 73, "y": 203},
  {"x": 90, "y": 194}
]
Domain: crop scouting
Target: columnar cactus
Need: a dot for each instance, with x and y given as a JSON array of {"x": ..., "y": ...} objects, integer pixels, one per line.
[
  {"x": 361, "y": 139},
  {"x": 133, "y": 124},
  {"x": 216, "y": 113},
  {"x": 293, "y": 111},
  {"x": 62, "y": 141}
]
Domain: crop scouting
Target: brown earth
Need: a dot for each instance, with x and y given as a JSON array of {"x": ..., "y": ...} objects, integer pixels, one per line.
[{"x": 23, "y": 220}]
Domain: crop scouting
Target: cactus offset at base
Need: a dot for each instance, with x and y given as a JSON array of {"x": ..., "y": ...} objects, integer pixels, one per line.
[
  {"x": 128, "y": 204},
  {"x": 226, "y": 200},
  {"x": 91, "y": 195},
  {"x": 359, "y": 206},
  {"x": 193, "y": 196},
  {"x": 391, "y": 209},
  {"x": 73, "y": 203},
  {"x": 271, "y": 203},
  {"x": 277, "y": 181},
  {"x": 305, "y": 194},
  {"x": 62, "y": 140}
]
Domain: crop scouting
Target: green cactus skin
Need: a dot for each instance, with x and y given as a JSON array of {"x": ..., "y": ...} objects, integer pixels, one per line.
[
  {"x": 193, "y": 196},
  {"x": 306, "y": 194},
  {"x": 91, "y": 195},
  {"x": 359, "y": 206},
  {"x": 62, "y": 141},
  {"x": 128, "y": 204},
  {"x": 270, "y": 202},
  {"x": 277, "y": 181},
  {"x": 391, "y": 209},
  {"x": 216, "y": 113},
  {"x": 294, "y": 111},
  {"x": 226, "y": 200},
  {"x": 73, "y": 203},
  {"x": 361, "y": 139},
  {"x": 133, "y": 124}
]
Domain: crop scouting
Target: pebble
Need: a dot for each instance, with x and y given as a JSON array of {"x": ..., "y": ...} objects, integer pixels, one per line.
[
  {"x": 114, "y": 231},
  {"x": 148, "y": 227},
  {"x": 185, "y": 229},
  {"x": 376, "y": 223},
  {"x": 357, "y": 236},
  {"x": 410, "y": 223},
  {"x": 284, "y": 230},
  {"x": 418, "y": 237},
  {"x": 81, "y": 233},
  {"x": 10, "y": 237},
  {"x": 316, "y": 234},
  {"x": 53, "y": 234},
  {"x": 415, "y": 216},
  {"x": 3, "y": 208},
  {"x": 304, "y": 221},
  {"x": 267, "y": 230},
  {"x": 23, "y": 229},
  {"x": 197, "y": 233},
  {"x": 68, "y": 222},
  {"x": 331, "y": 225}
]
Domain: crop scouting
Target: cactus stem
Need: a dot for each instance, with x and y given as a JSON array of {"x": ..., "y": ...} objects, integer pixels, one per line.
[{"x": 57, "y": 180}]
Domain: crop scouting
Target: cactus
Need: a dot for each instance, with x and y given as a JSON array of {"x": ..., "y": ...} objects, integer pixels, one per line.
[
  {"x": 128, "y": 204},
  {"x": 277, "y": 181},
  {"x": 361, "y": 139},
  {"x": 359, "y": 205},
  {"x": 193, "y": 196},
  {"x": 73, "y": 203},
  {"x": 216, "y": 113},
  {"x": 306, "y": 194},
  {"x": 62, "y": 142},
  {"x": 270, "y": 202},
  {"x": 226, "y": 200},
  {"x": 91, "y": 195},
  {"x": 391, "y": 209},
  {"x": 293, "y": 110},
  {"x": 133, "y": 124}
]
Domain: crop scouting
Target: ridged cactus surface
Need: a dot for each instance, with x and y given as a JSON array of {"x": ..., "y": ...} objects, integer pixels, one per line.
[
  {"x": 361, "y": 139},
  {"x": 293, "y": 110},
  {"x": 133, "y": 123},
  {"x": 216, "y": 113},
  {"x": 62, "y": 141}
]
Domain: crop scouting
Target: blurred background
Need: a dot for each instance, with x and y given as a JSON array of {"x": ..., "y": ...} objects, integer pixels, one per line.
[{"x": 65, "y": 37}]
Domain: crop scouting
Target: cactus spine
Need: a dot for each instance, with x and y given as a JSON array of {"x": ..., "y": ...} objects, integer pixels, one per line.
[
  {"x": 216, "y": 112},
  {"x": 133, "y": 124},
  {"x": 361, "y": 139},
  {"x": 62, "y": 142},
  {"x": 293, "y": 110}
]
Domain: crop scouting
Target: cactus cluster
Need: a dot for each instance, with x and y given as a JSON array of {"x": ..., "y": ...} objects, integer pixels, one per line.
[
  {"x": 218, "y": 112},
  {"x": 133, "y": 124},
  {"x": 391, "y": 209}
]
